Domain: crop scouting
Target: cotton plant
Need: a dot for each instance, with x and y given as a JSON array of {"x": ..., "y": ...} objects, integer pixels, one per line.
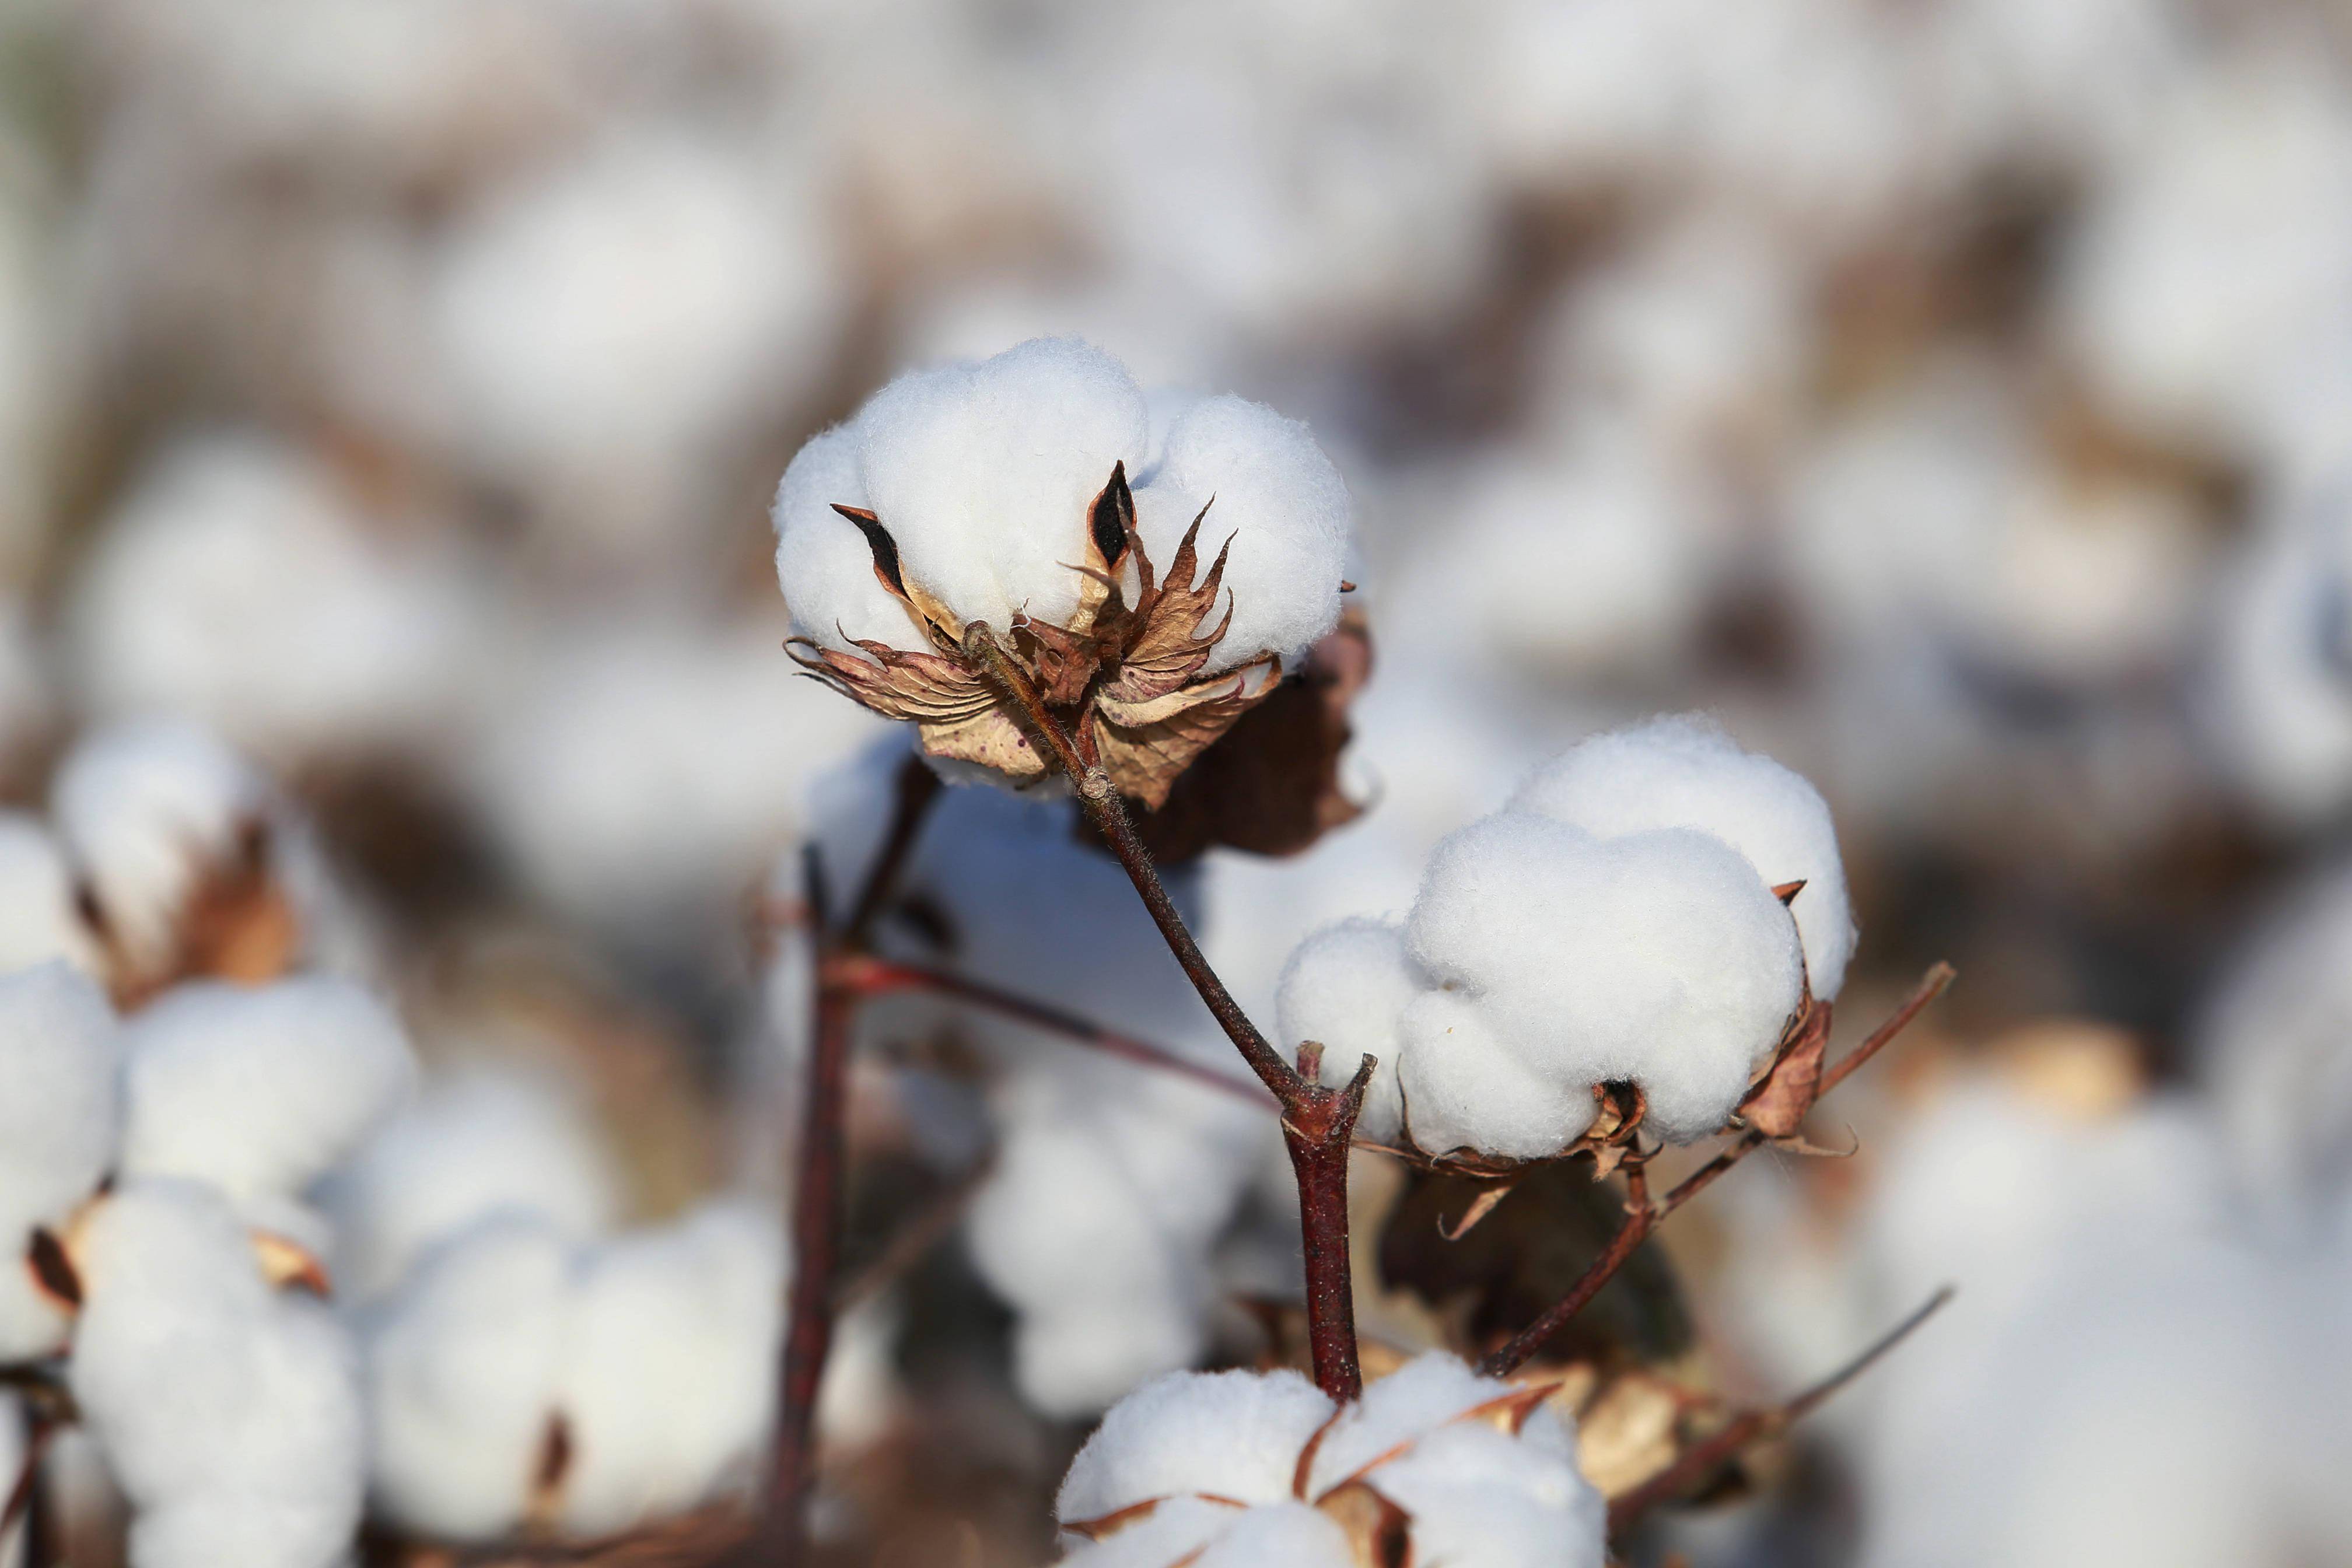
[
  {"x": 163, "y": 1262},
  {"x": 1655, "y": 908},
  {"x": 1434, "y": 1463}
]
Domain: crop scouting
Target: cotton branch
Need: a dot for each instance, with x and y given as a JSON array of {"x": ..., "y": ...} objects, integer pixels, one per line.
[
  {"x": 1692, "y": 1469},
  {"x": 1643, "y": 1216},
  {"x": 1317, "y": 1121}
]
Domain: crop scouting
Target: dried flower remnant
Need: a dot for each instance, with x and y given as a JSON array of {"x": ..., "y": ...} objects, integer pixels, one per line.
[{"x": 1026, "y": 499}]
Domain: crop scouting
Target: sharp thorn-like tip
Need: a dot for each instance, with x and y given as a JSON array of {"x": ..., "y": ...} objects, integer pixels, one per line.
[{"x": 1787, "y": 892}]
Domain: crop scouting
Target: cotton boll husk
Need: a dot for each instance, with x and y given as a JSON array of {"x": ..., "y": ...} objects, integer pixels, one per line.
[
  {"x": 666, "y": 1379},
  {"x": 1278, "y": 499},
  {"x": 983, "y": 473},
  {"x": 238, "y": 583},
  {"x": 1460, "y": 1085},
  {"x": 639, "y": 775},
  {"x": 471, "y": 1145},
  {"x": 1702, "y": 963},
  {"x": 1226, "y": 1433},
  {"x": 1478, "y": 1495},
  {"x": 61, "y": 1112},
  {"x": 229, "y": 1414},
  {"x": 1684, "y": 771},
  {"x": 258, "y": 1091},
  {"x": 142, "y": 807},
  {"x": 463, "y": 1368},
  {"x": 608, "y": 327},
  {"x": 1347, "y": 986},
  {"x": 38, "y": 917}
]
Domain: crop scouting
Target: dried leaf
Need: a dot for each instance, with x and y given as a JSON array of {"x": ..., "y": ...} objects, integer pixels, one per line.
[
  {"x": 1146, "y": 745},
  {"x": 1379, "y": 1532},
  {"x": 1779, "y": 1104},
  {"x": 1632, "y": 1426}
]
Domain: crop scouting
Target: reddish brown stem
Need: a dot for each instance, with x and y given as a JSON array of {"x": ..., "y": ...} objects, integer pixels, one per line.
[
  {"x": 874, "y": 976},
  {"x": 24, "y": 1494},
  {"x": 1317, "y": 1121},
  {"x": 1642, "y": 1217},
  {"x": 1699, "y": 1463}
]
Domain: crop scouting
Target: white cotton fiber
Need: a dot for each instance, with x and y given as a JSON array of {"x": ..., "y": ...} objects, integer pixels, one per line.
[
  {"x": 1169, "y": 1534},
  {"x": 1290, "y": 1534},
  {"x": 258, "y": 1091},
  {"x": 463, "y": 1364},
  {"x": 1279, "y": 500},
  {"x": 1478, "y": 1495},
  {"x": 231, "y": 1415},
  {"x": 983, "y": 473},
  {"x": 1420, "y": 1396},
  {"x": 1682, "y": 771},
  {"x": 38, "y": 920},
  {"x": 667, "y": 1380},
  {"x": 475, "y": 1144},
  {"x": 1227, "y": 1434},
  {"x": 59, "y": 1114},
  {"x": 1660, "y": 957},
  {"x": 1347, "y": 987},
  {"x": 1463, "y": 1086},
  {"x": 143, "y": 807}
]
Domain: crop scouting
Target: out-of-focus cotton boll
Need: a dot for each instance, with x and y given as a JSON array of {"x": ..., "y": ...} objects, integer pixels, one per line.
[
  {"x": 2277, "y": 703},
  {"x": 462, "y": 1369},
  {"x": 2052, "y": 88},
  {"x": 230, "y": 1416},
  {"x": 612, "y": 327},
  {"x": 650, "y": 1353},
  {"x": 1701, "y": 962},
  {"x": 470, "y": 1146},
  {"x": 1571, "y": 93},
  {"x": 2209, "y": 271},
  {"x": 645, "y": 770},
  {"x": 258, "y": 1091},
  {"x": 39, "y": 918},
  {"x": 1352, "y": 983},
  {"x": 1936, "y": 516},
  {"x": 1685, "y": 772},
  {"x": 238, "y": 583},
  {"x": 1510, "y": 1497},
  {"x": 61, "y": 1112},
  {"x": 146, "y": 807},
  {"x": 983, "y": 475},
  {"x": 2273, "y": 1057},
  {"x": 665, "y": 1383}
]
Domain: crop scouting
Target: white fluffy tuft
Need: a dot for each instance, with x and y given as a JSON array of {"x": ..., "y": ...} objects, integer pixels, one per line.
[{"x": 59, "y": 1114}]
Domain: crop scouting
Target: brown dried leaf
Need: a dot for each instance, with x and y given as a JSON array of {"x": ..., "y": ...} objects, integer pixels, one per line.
[
  {"x": 1169, "y": 643},
  {"x": 1145, "y": 745},
  {"x": 938, "y": 625},
  {"x": 1779, "y": 1104},
  {"x": 991, "y": 738},
  {"x": 1379, "y": 1532},
  {"x": 1631, "y": 1426}
]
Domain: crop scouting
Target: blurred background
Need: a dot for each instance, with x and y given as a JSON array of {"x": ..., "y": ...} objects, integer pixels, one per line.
[{"x": 1953, "y": 394}]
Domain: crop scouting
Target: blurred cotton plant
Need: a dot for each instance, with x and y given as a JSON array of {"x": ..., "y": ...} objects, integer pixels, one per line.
[{"x": 1644, "y": 945}]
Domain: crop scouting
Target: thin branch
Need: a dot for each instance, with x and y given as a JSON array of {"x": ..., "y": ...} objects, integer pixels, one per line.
[
  {"x": 1698, "y": 1464},
  {"x": 916, "y": 786},
  {"x": 874, "y": 976},
  {"x": 1643, "y": 1218},
  {"x": 1100, "y": 800},
  {"x": 19, "y": 1505}
]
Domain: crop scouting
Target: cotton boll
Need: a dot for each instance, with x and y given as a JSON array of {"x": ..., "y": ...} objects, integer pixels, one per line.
[
  {"x": 238, "y": 583},
  {"x": 59, "y": 1115},
  {"x": 667, "y": 1381},
  {"x": 826, "y": 566},
  {"x": 1291, "y": 1533},
  {"x": 1478, "y": 1495},
  {"x": 1278, "y": 499},
  {"x": 39, "y": 917},
  {"x": 1660, "y": 957},
  {"x": 230, "y": 1416},
  {"x": 1395, "y": 1411},
  {"x": 1226, "y": 1433},
  {"x": 1685, "y": 772},
  {"x": 1347, "y": 986},
  {"x": 143, "y": 807},
  {"x": 463, "y": 1365},
  {"x": 1169, "y": 1534},
  {"x": 1461, "y": 1086},
  {"x": 468, "y": 1147},
  {"x": 983, "y": 473},
  {"x": 258, "y": 1091}
]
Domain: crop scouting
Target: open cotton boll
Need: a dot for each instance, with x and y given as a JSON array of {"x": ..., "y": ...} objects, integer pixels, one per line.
[
  {"x": 1175, "y": 1532},
  {"x": 667, "y": 1381},
  {"x": 258, "y": 1091},
  {"x": 1478, "y": 1495},
  {"x": 1279, "y": 500},
  {"x": 143, "y": 807},
  {"x": 239, "y": 584},
  {"x": 463, "y": 1364},
  {"x": 1396, "y": 1411},
  {"x": 1461, "y": 1085},
  {"x": 1682, "y": 771},
  {"x": 1289, "y": 1533},
  {"x": 59, "y": 1115},
  {"x": 1660, "y": 957},
  {"x": 230, "y": 1416},
  {"x": 471, "y": 1145},
  {"x": 39, "y": 916},
  {"x": 1347, "y": 986},
  {"x": 1223, "y": 1434}
]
